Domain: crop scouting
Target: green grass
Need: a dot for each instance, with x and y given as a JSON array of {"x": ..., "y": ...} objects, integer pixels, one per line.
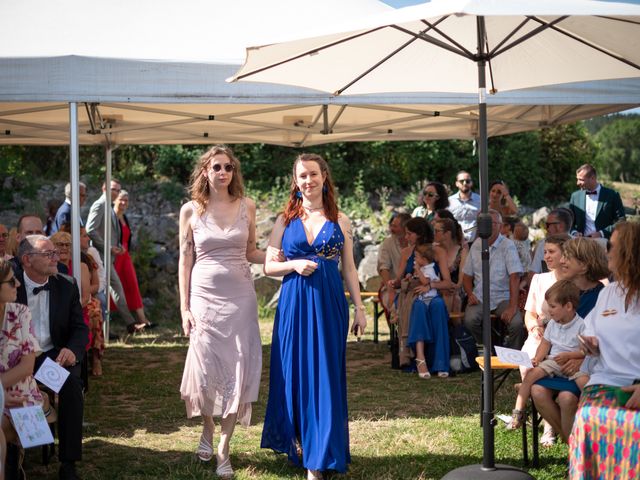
[{"x": 401, "y": 427}]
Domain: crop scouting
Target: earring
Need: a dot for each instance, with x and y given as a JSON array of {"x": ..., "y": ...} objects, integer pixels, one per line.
[
  {"x": 324, "y": 188},
  {"x": 298, "y": 194}
]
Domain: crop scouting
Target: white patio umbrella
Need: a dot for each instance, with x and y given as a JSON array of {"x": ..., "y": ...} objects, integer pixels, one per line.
[{"x": 446, "y": 46}]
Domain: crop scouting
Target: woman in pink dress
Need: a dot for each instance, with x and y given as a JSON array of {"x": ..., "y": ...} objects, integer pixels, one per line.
[
  {"x": 18, "y": 348},
  {"x": 123, "y": 262},
  {"x": 218, "y": 302}
]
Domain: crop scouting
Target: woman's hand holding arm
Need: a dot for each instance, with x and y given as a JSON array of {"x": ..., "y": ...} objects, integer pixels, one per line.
[{"x": 279, "y": 266}]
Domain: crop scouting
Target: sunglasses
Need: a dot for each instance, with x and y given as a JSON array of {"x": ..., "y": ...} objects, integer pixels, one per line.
[
  {"x": 465, "y": 180},
  {"x": 217, "y": 167},
  {"x": 51, "y": 254},
  {"x": 430, "y": 194},
  {"x": 13, "y": 282}
]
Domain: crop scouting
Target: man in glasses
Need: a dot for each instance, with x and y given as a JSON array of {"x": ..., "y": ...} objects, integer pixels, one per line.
[
  {"x": 54, "y": 302},
  {"x": 595, "y": 208},
  {"x": 465, "y": 205},
  {"x": 63, "y": 215},
  {"x": 101, "y": 212},
  {"x": 30, "y": 224}
]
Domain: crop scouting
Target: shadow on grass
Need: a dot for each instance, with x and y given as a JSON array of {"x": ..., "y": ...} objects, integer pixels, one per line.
[{"x": 107, "y": 461}]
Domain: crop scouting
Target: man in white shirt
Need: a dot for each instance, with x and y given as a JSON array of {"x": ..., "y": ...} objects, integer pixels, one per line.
[{"x": 465, "y": 205}]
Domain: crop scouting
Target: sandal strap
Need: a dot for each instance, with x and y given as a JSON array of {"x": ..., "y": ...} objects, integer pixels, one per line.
[
  {"x": 205, "y": 449},
  {"x": 224, "y": 469}
]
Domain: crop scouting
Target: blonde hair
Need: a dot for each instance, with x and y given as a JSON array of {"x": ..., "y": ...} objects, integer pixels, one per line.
[
  {"x": 199, "y": 185},
  {"x": 588, "y": 252},
  {"x": 60, "y": 236}
]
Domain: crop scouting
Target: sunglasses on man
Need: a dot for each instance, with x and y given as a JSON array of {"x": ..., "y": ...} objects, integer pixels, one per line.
[
  {"x": 465, "y": 180},
  {"x": 227, "y": 167}
]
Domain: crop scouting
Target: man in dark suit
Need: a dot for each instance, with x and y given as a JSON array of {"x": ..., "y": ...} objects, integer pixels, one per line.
[
  {"x": 595, "y": 208},
  {"x": 63, "y": 215},
  {"x": 54, "y": 301}
]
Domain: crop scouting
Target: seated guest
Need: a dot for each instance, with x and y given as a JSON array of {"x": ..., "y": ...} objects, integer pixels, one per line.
[
  {"x": 558, "y": 222},
  {"x": 18, "y": 349},
  {"x": 604, "y": 442},
  {"x": 30, "y": 224},
  {"x": 583, "y": 262},
  {"x": 389, "y": 255},
  {"x": 514, "y": 229},
  {"x": 448, "y": 236},
  {"x": 505, "y": 270},
  {"x": 54, "y": 302},
  {"x": 435, "y": 198},
  {"x": 429, "y": 320},
  {"x": 500, "y": 199},
  {"x": 4, "y": 237},
  {"x": 537, "y": 314},
  {"x": 560, "y": 340}
]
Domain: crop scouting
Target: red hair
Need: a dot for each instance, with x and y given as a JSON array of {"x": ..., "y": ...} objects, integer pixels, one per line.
[{"x": 294, "y": 208}]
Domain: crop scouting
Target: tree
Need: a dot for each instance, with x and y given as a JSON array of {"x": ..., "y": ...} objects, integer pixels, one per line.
[{"x": 619, "y": 152}]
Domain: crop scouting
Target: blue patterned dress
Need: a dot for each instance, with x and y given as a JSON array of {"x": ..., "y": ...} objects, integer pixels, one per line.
[{"x": 307, "y": 406}]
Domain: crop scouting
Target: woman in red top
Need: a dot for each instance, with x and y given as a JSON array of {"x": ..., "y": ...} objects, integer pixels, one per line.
[{"x": 124, "y": 264}]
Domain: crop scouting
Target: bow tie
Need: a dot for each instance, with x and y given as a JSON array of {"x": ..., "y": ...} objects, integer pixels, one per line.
[
  {"x": 37, "y": 290},
  {"x": 592, "y": 192}
]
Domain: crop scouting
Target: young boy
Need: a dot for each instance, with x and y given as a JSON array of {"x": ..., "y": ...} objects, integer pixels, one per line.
[
  {"x": 425, "y": 270},
  {"x": 560, "y": 340}
]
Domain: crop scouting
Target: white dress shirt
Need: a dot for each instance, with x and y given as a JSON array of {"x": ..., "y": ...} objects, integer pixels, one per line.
[
  {"x": 590, "y": 209},
  {"x": 39, "y": 306}
]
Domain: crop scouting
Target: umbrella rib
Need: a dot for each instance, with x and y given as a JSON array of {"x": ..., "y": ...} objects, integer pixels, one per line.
[
  {"x": 592, "y": 45},
  {"x": 434, "y": 27},
  {"x": 509, "y": 36},
  {"x": 434, "y": 41},
  {"x": 313, "y": 51},
  {"x": 376, "y": 65},
  {"x": 544, "y": 26}
]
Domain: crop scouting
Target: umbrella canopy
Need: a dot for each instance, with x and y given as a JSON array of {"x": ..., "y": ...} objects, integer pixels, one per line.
[{"x": 434, "y": 47}]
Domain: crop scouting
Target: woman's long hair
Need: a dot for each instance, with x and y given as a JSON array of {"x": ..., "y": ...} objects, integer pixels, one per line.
[
  {"x": 199, "y": 184},
  {"x": 443, "y": 198},
  {"x": 626, "y": 269},
  {"x": 294, "y": 208},
  {"x": 421, "y": 228},
  {"x": 452, "y": 226}
]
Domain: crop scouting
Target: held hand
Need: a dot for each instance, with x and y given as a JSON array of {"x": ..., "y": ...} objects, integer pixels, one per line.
[
  {"x": 421, "y": 289},
  {"x": 589, "y": 345},
  {"x": 188, "y": 322},
  {"x": 571, "y": 367},
  {"x": 634, "y": 401},
  {"x": 472, "y": 300},
  {"x": 305, "y": 267},
  {"x": 13, "y": 399},
  {"x": 359, "y": 323},
  {"x": 275, "y": 254},
  {"x": 66, "y": 358},
  {"x": 393, "y": 284},
  {"x": 564, "y": 357},
  {"x": 116, "y": 250},
  {"x": 535, "y": 362}
]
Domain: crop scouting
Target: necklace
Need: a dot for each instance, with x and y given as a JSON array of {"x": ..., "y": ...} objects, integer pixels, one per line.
[{"x": 310, "y": 209}]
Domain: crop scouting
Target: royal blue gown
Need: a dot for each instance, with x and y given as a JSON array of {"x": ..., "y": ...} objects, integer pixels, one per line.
[{"x": 307, "y": 404}]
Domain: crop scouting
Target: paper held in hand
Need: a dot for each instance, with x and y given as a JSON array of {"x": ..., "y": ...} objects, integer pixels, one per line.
[
  {"x": 52, "y": 375},
  {"x": 510, "y": 355},
  {"x": 31, "y": 426}
]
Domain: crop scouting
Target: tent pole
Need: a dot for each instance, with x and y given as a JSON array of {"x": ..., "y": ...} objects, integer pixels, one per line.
[
  {"x": 107, "y": 241},
  {"x": 74, "y": 168}
]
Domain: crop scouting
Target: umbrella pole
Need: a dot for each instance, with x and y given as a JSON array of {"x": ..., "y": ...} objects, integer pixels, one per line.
[{"x": 488, "y": 469}]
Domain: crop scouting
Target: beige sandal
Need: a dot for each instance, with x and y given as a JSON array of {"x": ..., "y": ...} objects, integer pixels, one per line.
[
  {"x": 224, "y": 469},
  {"x": 425, "y": 375},
  {"x": 205, "y": 449}
]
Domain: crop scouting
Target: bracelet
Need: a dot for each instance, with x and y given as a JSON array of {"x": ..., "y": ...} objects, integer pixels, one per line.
[{"x": 360, "y": 307}]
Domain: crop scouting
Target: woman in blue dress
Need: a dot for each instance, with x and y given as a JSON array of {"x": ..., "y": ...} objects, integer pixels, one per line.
[{"x": 306, "y": 415}]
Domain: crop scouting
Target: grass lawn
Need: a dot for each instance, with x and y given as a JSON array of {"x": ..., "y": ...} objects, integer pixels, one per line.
[{"x": 401, "y": 427}]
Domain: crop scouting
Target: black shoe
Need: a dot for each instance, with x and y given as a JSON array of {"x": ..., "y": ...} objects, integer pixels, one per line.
[
  {"x": 135, "y": 327},
  {"x": 150, "y": 325},
  {"x": 68, "y": 471}
]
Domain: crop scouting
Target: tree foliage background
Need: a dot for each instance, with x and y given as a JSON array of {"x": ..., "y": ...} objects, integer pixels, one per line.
[{"x": 538, "y": 166}]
